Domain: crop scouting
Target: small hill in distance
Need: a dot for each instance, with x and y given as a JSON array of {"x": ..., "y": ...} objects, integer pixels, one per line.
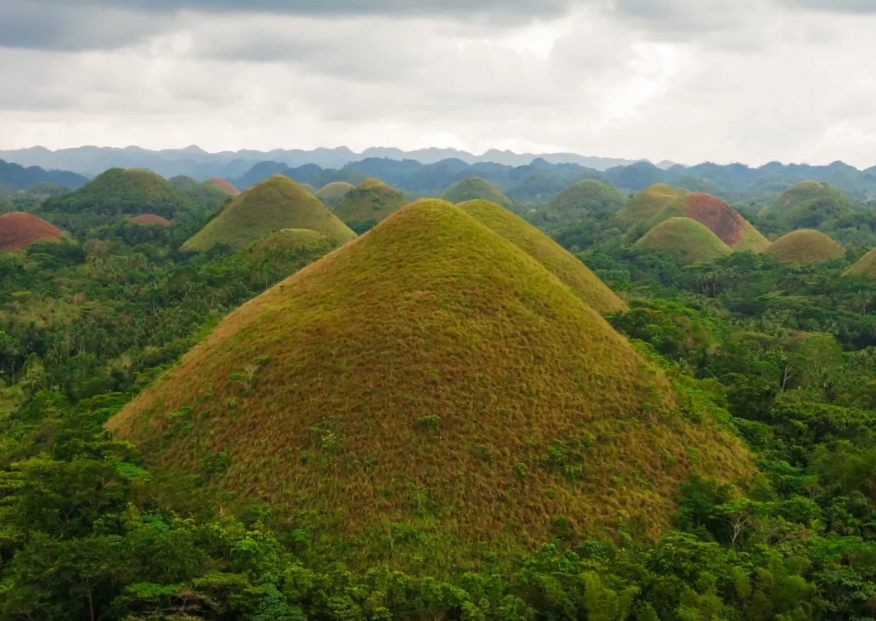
[
  {"x": 332, "y": 193},
  {"x": 475, "y": 188},
  {"x": 578, "y": 201},
  {"x": 549, "y": 253},
  {"x": 273, "y": 204},
  {"x": 370, "y": 201},
  {"x": 808, "y": 205},
  {"x": 150, "y": 219},
  {"x": 655, "y": 204},
  {"x": 805, "y": 246},
  {"x": 685, "y": 238},
  {"x": 286, "y": 251},
  {"x": 225, "y": 186},
  {"x": 309, "y": 188},
  {"x": 865, "y": 266},
  {"x": 18, "y": 230},
  {"x": 422, "y": 376}
]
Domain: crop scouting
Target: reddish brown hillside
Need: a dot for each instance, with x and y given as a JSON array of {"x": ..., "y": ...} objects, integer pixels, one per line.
[
  {"x": 19, "y": 230},
  {"x": 724, "y": 221},
  {"x": 224, "y": 186},
  {"x": 151, "y": 219}
]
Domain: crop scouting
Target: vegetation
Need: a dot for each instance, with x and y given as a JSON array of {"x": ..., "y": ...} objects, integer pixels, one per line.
[
  {"x": 475, "y": 188},
  {"x": 543, "y": 249},
  {"x": 805, "y": 246},
  {"x": 865, "y": 266},
  {"x": 333, "y": 192},
  {"x": 578, "y": 201},
  {"x": 276, "y": 203},
  {"x": 808, "y": 205},
  {"x": 224, "y": 186},
  {"x": 655, "y": 205},
  {"x": 686, "y": 239},
  {"x": 725, "y": 222},
  {"x": 19, "y": 230},
  {"x": 369, "y": 203},
  {"x": 282, "y": 253}
]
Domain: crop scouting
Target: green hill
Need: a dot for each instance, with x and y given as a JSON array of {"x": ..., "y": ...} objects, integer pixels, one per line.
[
  {"x": 287, "y": 251},
  {"x": 474, "y": 188},
  {"x": 578, "y": 201},
  {"x": 371, "y": 200},
  {"x": 685, "y": 238},
  {"x": 865, "y": 266},
  {"x": 808, "y": 205},
  {"x": 275, "y": 203},
  {"x": 123, "y": 192},
  {"x": 655, "y": 204},
  {"x": 428, "y": 393},
  {"x": 805, "y": 246},
  {"x": 549, "y": 253},
  {"x": 332, "y": 193}
]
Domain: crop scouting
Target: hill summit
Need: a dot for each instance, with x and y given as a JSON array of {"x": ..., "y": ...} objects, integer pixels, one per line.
[
  {"x": 332, "y": 193},
  {"x": 865, "y": 266},
  {"x": 370, "y": 201},
  {"x": 475, "y": 188},
  {"x": 808, "y": 205},
  {"x": 578, "y": 201},
  {"x": 19, "y": 230},
  {"x": 549, "y": 253},
  {"x": 225, "y": 186},
  {"x": 275, "y": 203},
  {"x": 685, "y": 238},
  {"x": 431, "y": 379},
  {"x": 805, "y": 246}
]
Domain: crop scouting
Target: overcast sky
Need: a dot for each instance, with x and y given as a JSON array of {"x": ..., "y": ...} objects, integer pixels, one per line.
[{"x": 686, "y": 80}]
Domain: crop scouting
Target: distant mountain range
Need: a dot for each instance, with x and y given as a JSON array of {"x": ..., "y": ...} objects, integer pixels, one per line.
[
  {"x": 201, "y": 165},
  {"x": 21, "y": 178}
]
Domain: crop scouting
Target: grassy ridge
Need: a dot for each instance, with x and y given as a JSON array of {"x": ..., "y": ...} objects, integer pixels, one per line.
[
  {"x": 546, "y": 251},
  {"x": 475, "y": 188},
  {"x": 370, "y": 200},
  {"x": 427, "y": 391},
  {"x": 275, "y": 203},
  {"x": 805, "y": 246},
  {"x": 685, "y": 238}
]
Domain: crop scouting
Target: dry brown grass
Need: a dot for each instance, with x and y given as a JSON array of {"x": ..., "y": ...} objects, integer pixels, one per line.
[
  {"x": 805, "y": 246},
  {"x": 19, "y": 230}
]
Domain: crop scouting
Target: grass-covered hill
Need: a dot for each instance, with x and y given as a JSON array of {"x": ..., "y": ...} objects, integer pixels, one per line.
[
  {"x": 685, "y": 238},
  {"x": 579, "y": 201},
  {"x": 370, "y": 201},
  {"x": 475, "y": 188},
  {"x": 808, "y": 205},
  {"x": 332, "y": 193},
  {"x": 223, "y": 185},
  {"x": 287, "y": 251},
  {"x": 655, "y": 204},
  {"x": 805, "y": 246},
  {"x": 549, "y": 253},
  {"x": 432, "y": 379},
  {"x": 150, "y": 219},
  {"x": 275, "y": 203},
  {"x": 19, "y": 230},
  {"x": 119, "y": 192},
  {"x": 865, "y": 266}
]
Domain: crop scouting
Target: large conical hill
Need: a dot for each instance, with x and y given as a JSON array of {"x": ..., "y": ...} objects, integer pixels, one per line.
[
  {"x": 332, "y": 193},
  {"x": 428, "y": 378},
  {"x": 275, "y": 203},
  {"x": 371, "y": 200},
  {"x": 808, "y": 205},
  {"x": 805, "y": 246},
  {"x": 475, "y": 188},
  {"x": 579, "y": 201},
  {"x": 18, "y": 230},
  {"x": 549, "y": 253},
  {"x": 685, "y": 238}
]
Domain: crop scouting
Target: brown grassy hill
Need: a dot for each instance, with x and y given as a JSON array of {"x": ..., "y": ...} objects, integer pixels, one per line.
[
  {"x": 151, "y": 219},
  {"x": 19, "y": 230},
  {"x": 224, "y": 185},
  {"x": 805, "y": 246},
  {"x": 475, "y": 188},
  {"x": 275, "y": 203},
  {"x": 334, "y": 192},
  {"x": 428, "y": 390},
  {"x": 549, "y": 253},
  {"x": 685, "y": 238},
  {"x": 372, "y": 200},
  {"x": 725, "y": 222},
  {"x": 865, "y": 266}
]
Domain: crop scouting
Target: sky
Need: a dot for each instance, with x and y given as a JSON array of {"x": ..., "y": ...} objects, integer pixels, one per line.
[{"x": 686, "y": 80}]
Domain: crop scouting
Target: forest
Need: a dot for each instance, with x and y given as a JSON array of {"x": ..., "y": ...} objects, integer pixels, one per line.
[{"x": 755, "y": 354}]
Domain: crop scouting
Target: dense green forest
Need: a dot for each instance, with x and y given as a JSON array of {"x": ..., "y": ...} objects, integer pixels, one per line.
[{"x": 784, "y": 355}]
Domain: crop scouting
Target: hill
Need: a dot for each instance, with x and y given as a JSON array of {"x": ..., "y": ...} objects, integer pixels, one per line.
[
  {"x": 287, "y": 251},
  {"x": 725, "y": 222},
  {"x": 372, "y": 200},
  {"x": 549, "y": 253},
  {"x": 151, "y": 219},
  {"x": 432, "y": 379},
  {"x": 334, "y": 192},
  {"x": 21, "y": 178},
  {"x": 275, "y": 203},
  {"x": 655, "y": 204},
  {"x": 808, "y": 205},
  {"x": 123, "y": 192},
  {"x": 19, "y": 230},
  {"x": 224, "y": 185},
  {"x": 685, "y": 238},
  {"x": 805, "y": 246},
  {"x": 475, "y": 188},
  {"x": 865, "y": 266},
  {"x": 578, "y": 201}
]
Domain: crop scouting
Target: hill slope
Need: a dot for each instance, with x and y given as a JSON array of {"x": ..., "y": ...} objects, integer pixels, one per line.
[
  {"x": 372, "y": 200},
  {"x": 275, "y": 203},
  {"x": 288, "y": 250},
  {"x": 334, "y": 192},
  {"x": 578, "y": 201},
  {"x": 655, "y": 204},
  {"x": 805, "y": 246},
  {"x": 151, "y": 219},
  {"x": 685, "y": 238},
  {"x": 433, "y": 379},
  {"x": 808, "y": 205},
  {"x": 475, "y": 188},
  {"x": 225, "y": 186},
  {"x": 19, "y": 230},
  {"x": 549, "y": 253},
  {"x": 865, "y": 266}
]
